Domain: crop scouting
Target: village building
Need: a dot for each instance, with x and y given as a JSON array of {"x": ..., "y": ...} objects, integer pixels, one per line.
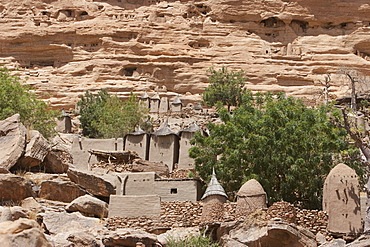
[
  {"x": 163, "y": 105},
  {"x": 64, "y": 123},
  {"x": 198, "y": 108},
  {"x": 176, "y": 105},
  {"x": 154, "y": 103},
  {"x": 138, "y": 142},
  {"x": 145, "y": 99},
  {"x": 185, "y": 162},
  {"x": 341, "y": 201},
  {"x": 250, "y": 197},
  {"x": 213, "y": 201},
  {"x": 169, "y": 189},
  {"x": 164, "y": 147}
]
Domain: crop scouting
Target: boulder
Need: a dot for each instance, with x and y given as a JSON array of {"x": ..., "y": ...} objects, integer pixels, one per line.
[
  {"x": 14, "y": 188},
  {"x": 89, "y": 205},
  {"x": 98, "y": 185},
  {"x": 31, "y": 204},
  {"x": 363, "y": 240},
  {"x": 178, "y": 233},
  {"x": 274, "y": 233},
  {"x": 12, "y": 141},
  {"x": 36, "y": 150},
  {"x": 13, "y": 213},
  {"x": 84, "y": 239},
  {"x": 140, "y": 165},
  {"x": 336, "y": 243},
  {"x": 129, "y": 237},
  {"x": 58, "y": 190},
  {"x": 56, "y": 161},
  {"x": 22, "y": 232},
  {"x": 63, "y": 222}
]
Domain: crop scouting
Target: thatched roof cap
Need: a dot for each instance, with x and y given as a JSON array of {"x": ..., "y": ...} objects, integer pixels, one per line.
[{"x": 214, "y": 187}]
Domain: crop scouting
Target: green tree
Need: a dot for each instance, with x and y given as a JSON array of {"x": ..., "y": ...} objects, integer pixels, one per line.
[
  {"x": 225, "y": 86},
  {"x": 18, "y": 98},
  {"x": 106, "y": 116},
  {"x": 288, "y": 147}
]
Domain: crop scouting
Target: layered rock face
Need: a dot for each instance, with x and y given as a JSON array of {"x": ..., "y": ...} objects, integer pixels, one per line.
[{"x": 63, "y": 48}]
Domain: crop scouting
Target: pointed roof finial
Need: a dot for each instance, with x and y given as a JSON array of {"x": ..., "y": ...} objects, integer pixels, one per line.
[
  {"x": 214, "y": 187},
  {"x": 177, "y": 101},
  {"x": 144, "y": 96}
]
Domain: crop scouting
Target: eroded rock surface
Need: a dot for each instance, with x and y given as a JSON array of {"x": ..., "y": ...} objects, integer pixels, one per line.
[{"x": 66, "y": 47}]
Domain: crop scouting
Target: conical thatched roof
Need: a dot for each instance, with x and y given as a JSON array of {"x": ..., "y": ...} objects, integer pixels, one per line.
[
  {"x": 138, "y": 132},
  {"x": 192, "y": 129},
  {"x": 214, "y": 187},
  {"x": 144, "y": 96},
  {"x": 156, "y": 97},
  {"x": 164, "y": 131},
  {"x": 177, "y": 101}
]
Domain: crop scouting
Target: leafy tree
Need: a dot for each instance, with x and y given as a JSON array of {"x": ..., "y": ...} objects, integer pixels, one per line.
[
  {"x": 225, "y": 86},
  {"x": 18, "y": 98},
  {"x": 277, "y": 140},
  {"x": 106, "y": 116}
]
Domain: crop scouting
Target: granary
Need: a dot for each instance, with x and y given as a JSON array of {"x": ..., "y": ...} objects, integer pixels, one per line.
[
  {"x": 176, "y": 105},
  {"x": 145, "y": 99},
  {"x": 163, "y": 105},
  {"x": 164, "y": 146},
  {"x": 341, "y": 201},
  {"x": 138, "y": 142},
  {"x": 213, "y": 201},
  {"x": 198, "y": 108},
  {"x": 250, "y": 197},
  {"x": 185, "y": 162},
  {"x": 154, "y": 103},
  {"x": 64, "y": 123}
]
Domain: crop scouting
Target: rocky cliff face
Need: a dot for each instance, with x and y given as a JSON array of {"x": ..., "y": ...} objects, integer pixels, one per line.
[{"x": 63, "y": 48}]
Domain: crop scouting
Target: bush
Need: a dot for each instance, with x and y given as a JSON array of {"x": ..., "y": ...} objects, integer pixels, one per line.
[
  {"x": 106, "y": 116},
  {"x": 191, "y": 241},
  {"x": 18, "y": 98}
]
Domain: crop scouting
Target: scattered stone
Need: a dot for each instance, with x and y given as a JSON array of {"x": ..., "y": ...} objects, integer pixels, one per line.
[
  {"x": 140, "y": 165},
  {"x": 335, "y": 243},
  {"x": 89, "y": 205}
]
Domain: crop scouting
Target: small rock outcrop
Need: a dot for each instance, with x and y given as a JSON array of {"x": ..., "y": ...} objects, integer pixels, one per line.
[
  {"x": 129, "y": 237},
  {"x": 15, "y": 188},
  {"x": 95, "y": 184},
  {"x": 63, "y": 191},
  {"x": 89, "y": 205},
  {"x": 22, "y": 232}
]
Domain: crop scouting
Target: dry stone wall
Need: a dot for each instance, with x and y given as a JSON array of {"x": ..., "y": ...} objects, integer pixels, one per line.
[
  {"x": 188, "y": 214},
  {"x": 63, "y": 48}
]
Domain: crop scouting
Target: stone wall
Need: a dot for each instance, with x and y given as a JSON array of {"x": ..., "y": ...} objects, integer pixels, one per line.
[{"x": 188, "y": 214}]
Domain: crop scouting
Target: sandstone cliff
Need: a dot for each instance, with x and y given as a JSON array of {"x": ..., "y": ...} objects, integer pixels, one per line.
[{"x": 64, "y": 47}]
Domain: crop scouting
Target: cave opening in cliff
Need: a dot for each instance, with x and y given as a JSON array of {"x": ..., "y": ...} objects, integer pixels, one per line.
[
  {"x": 129, "y": 71},
  {"x": 273, "y": 22}
]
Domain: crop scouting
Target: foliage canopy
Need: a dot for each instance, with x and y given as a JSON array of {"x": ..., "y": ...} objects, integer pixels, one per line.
[
  {"x": 288, "y": 147},
  {"x": 106, "y": 116},
  {"x": 18, "y": 98},
  {"x": 225, "y": 86}
]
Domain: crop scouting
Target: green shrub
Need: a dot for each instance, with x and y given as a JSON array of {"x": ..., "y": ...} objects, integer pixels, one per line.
[
  {"x": 106, "y": 116},
  {"x": 191, "y": 241},
  {"x": 17, "y": 98}
]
